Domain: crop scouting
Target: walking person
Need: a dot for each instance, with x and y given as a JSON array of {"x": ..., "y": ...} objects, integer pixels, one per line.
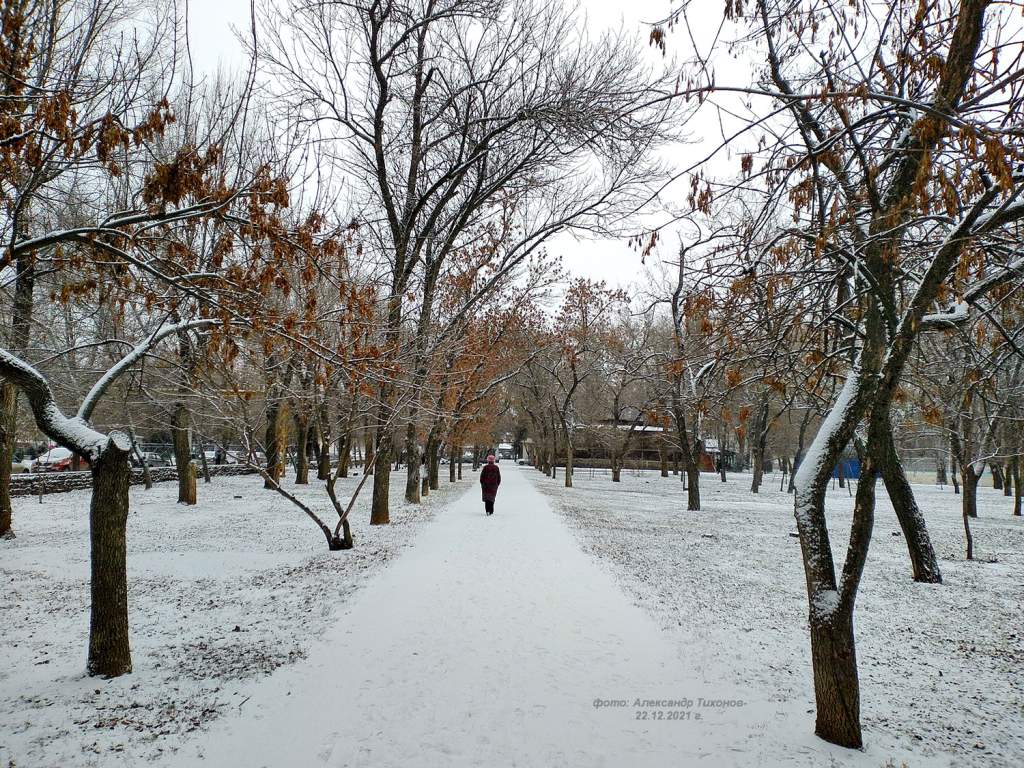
[{"x": 490, "y": 479}]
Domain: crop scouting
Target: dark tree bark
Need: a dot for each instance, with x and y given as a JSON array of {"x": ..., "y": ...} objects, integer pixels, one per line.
[
  {"x": 412, "y": 477},
  {"x": 836, "y": 681},
  {"x": 182, "y": 449},
  {"x": 760, "y": 444},
  {"x": 21, "y": 332},
  {"x": 801, "y": 442},
  {"x": 970, "y": 483},
  {"x": 109, "y": 651},
  {"x": 301, "y": 445},
  {"x": 923, "y": 562},
  {"x": 970, "y": 507},
  {"x": 1008, "y": 481},
  {"x": 569, "y": 455},
  {"x": 8, "y": 427},
  {"x": 693, "y": 487},
  {"x": 997, "y": 475},
  {"x": 433, "y": 462},
  {"x": 323, "y": 459},
  {"x": 380, "y": 510},
  {"x": 274, "y": 460},
  {"x": 1016, "y": 469},
  {"x": 689, "y": 455}
]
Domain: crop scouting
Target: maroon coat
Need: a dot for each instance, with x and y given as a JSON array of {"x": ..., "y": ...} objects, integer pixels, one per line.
[{"x": 490, "y": 479}]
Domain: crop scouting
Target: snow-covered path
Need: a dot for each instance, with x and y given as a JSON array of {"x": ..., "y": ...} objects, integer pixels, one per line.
[{"x": 487, "y": 644}]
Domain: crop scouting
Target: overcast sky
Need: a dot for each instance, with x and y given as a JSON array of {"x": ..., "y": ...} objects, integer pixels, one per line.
[{"x": 213, "y": 44}]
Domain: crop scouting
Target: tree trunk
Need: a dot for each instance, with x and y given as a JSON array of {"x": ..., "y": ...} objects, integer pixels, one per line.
[
  {"x": 663, "y": 457},
  {"x": 970, "y": 481},
  {"x": 940, "y": 470},
  {"x": 616, "y": 469},
  {"x": 758, "y": 467},
  {"x": 367, "y": 451},
  {"x": 412, "y": 476},
  {"x": 954, "y": 474},
  {"x": 693, "y": 488},
  {"x": 452, "y": 458},
  {"x": 323, "y": 463},
  {"x": 760, "y": 444},
  {"x": 969, "y": 507},
  {"x": 182, "y": 450},
  {"x": 801, "y": 441},
  {"x": 8, "y": 427},
  {"x": 1016, "y": 469},
  {"x": 568, "y": 463},
  {"x": 836, "y": 683},
  {"x": 301, "y": 446},
  {"x": 380, "y": 509},
  {"x": 20, "y": 334},
  {"x": 997, "y": 475},
  {"x": 432, "y": 457},
  {"x": 147, "y": 478},
  {"x": 192, "y": 474},
  {"x": 1008, "y": 479},
  {"x": 923, "y": 562},
  {"x": 109, "y": 651},
  {"x": 202, "y": 461},
  {"x": 270, "y": 441},
  {"x": 346, "y": 443}
]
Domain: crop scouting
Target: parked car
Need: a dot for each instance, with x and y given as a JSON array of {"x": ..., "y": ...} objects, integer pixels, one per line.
[
  {"x": 153, "y": 459},
  {"x": 57, "y": 459}
]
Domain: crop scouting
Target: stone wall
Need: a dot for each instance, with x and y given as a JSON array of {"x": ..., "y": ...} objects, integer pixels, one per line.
[{"x": 30, "y": 483}]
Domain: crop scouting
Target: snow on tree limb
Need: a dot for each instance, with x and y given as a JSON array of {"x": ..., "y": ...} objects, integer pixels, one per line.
[
  {"x": 957, "y": 314},
  {"x": 72, "y": 433}
]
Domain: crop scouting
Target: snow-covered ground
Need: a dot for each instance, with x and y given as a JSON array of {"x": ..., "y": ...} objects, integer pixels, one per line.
[
  {"x": 220, "y": 594},
  {"x": 942, "y": 667},
  {"x": 523, "y": 639}
]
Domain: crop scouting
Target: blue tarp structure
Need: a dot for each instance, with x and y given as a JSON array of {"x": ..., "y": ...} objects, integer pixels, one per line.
[{"x": 851, "y": 469}]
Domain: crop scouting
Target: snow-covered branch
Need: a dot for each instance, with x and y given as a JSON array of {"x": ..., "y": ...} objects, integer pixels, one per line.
[
  {"x": 957, "y": 314},
  {"x": 73, "y": 433}
]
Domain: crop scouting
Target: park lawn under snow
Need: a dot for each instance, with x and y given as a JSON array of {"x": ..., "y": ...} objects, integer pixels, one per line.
[
  {"x": 220, "y": 594},
  {"x": 941, "y": 665}
]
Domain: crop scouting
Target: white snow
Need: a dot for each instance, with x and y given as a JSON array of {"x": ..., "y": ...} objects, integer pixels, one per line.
[
  {"x": 242, "y": 557},
  {"x": 494, "y": 641},
  {"x": 536, "y": 637},
  {"x": 942, "y": 680},
  {"x": 955, "y": 314}
]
